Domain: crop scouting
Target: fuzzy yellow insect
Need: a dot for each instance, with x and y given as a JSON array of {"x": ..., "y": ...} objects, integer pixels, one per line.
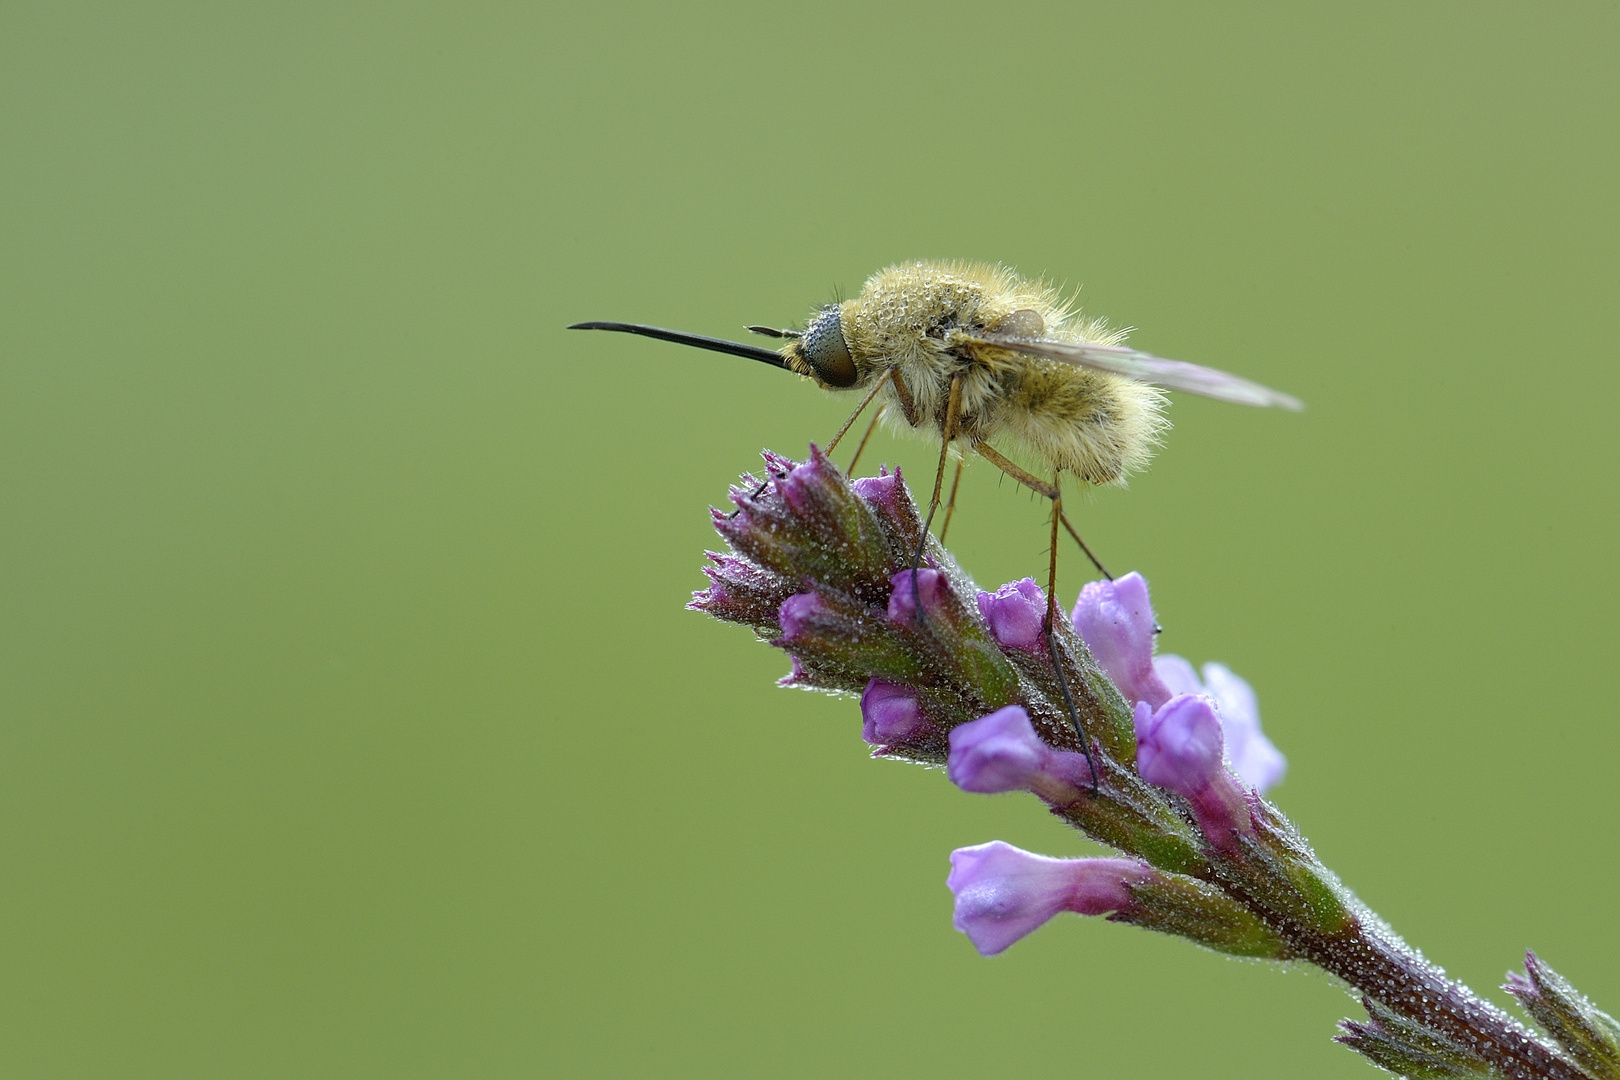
[{"x": 975, "y": 353}]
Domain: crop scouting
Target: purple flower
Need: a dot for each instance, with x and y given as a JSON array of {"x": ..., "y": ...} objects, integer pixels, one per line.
[
  {"x": 930, "y": 585},
  {"x": 1116, "y": 620},
  {"x": 1001, "y": 752},
  {"x": 996, "y": 753},
  {"x": 1003, "y": 892},
  {"x": 1016, "y": 613},
  {"x": 890, "y": 713},
  {"x": 883, "y": 489},
  {"x": 1179, "y": 747},
  {"x": 1179, "y": 744},
  {"x": 1251, "y": 755},
  {"x": 796, "y": 612}
]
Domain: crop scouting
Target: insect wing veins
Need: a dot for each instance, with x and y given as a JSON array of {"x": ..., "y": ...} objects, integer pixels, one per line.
[{"x": 1145, "y": 367}]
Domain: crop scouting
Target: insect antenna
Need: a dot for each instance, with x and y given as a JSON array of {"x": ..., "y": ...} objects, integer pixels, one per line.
[
  {"x": 721, "y": 345},
  {"x": 769, "y": 331}
]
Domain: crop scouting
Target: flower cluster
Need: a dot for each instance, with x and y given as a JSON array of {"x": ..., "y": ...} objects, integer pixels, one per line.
[{"x": 1137, "y": 751}]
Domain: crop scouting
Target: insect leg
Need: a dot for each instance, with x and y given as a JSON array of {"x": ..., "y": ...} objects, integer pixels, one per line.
[
  {"x": 1100, "y": 568},
  {"x": 953, "y": 415},
  {"x": 1048, "y": 625},
  {"x": 865, "y": 401},
  {"x": 763, "y": 484},
  {"x": 1051, "y": 572},
  {"x": 1048, "y": 631},
  {"x": 950, "y": 505},
  {"x": 1038, "y": 486},
  {"x": 908, "y": 404},
  {"x": 1029, "y": 480},
  {"x": 876, "y": 416}
]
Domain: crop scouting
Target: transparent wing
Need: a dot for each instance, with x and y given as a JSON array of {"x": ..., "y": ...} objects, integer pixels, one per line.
[{"x": 1145, "y": 367}]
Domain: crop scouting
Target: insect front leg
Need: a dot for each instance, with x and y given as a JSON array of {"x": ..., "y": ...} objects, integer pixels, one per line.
[
  {"x": 865, "y": 401},
  {"x": 877, "y": 414},
  {"x": 908, "y": 404},
  {"x": 953, "y": 416}
]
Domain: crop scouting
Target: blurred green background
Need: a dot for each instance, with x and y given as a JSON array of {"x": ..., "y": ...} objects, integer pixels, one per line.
[{"x": 352, "y": 722}]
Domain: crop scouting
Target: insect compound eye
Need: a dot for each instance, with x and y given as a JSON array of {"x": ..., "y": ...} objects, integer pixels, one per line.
[{"x": 824, "y": 347}]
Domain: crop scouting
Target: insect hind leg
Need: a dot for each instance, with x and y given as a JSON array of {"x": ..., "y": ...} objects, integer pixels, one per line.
[
  {"x": 950, "y": 504},
  {"x": 1054, "y": 492}
]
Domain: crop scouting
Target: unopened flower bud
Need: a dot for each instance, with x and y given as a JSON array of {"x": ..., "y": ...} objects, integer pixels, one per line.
[
  {"x": 1016, "y": 613},
  {"x": 1003, "y": 892},
  {"x": 1590, "y": 1035},
  {"x": 910, "y": 586},
  {"x": 1179, "y": 747},
  {"x": 806, "y": 523},
  {"x": 1116, "y": 620},
  {"x": 882, "y": 490},
  {"x": 741, "y": 592},
  {"x": 897, "y": 516},
  {"x": 1000, "y": 752},
  {"x": 797, "y": 613},
  {"x": 891, "y": 713}
]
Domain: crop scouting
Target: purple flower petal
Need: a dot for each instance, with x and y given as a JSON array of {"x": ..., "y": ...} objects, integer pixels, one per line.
[
  {"x": 1003, "y": 892},
  {"x": 1015, "y": 613},
  {"x": 996, "y": 753},
  {"x": 889, "y": 713},
  {"x": 1252, "y": 756},
  {"x": 1181, "y": 749},
  {"x": 1177, "y": 674},
  {"x": 882, "y": 489},
  {"x": 1179, "y": 746},
  {"x": 1000, "y": 752},
  {"x": 1116, "y": 620}
]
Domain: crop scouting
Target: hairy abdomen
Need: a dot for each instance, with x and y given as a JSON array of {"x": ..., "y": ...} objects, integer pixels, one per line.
[{"x": 1099, "y": 427}]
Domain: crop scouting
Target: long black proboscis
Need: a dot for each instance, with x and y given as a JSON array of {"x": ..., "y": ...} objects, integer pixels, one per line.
[{"x": 752, "y": 352}]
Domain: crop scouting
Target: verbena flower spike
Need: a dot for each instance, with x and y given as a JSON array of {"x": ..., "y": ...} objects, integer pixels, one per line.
[{"x": 820, "y": 566}]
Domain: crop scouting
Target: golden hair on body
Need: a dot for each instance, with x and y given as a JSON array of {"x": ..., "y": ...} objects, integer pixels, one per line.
[{"x": 923, "y": 322}]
